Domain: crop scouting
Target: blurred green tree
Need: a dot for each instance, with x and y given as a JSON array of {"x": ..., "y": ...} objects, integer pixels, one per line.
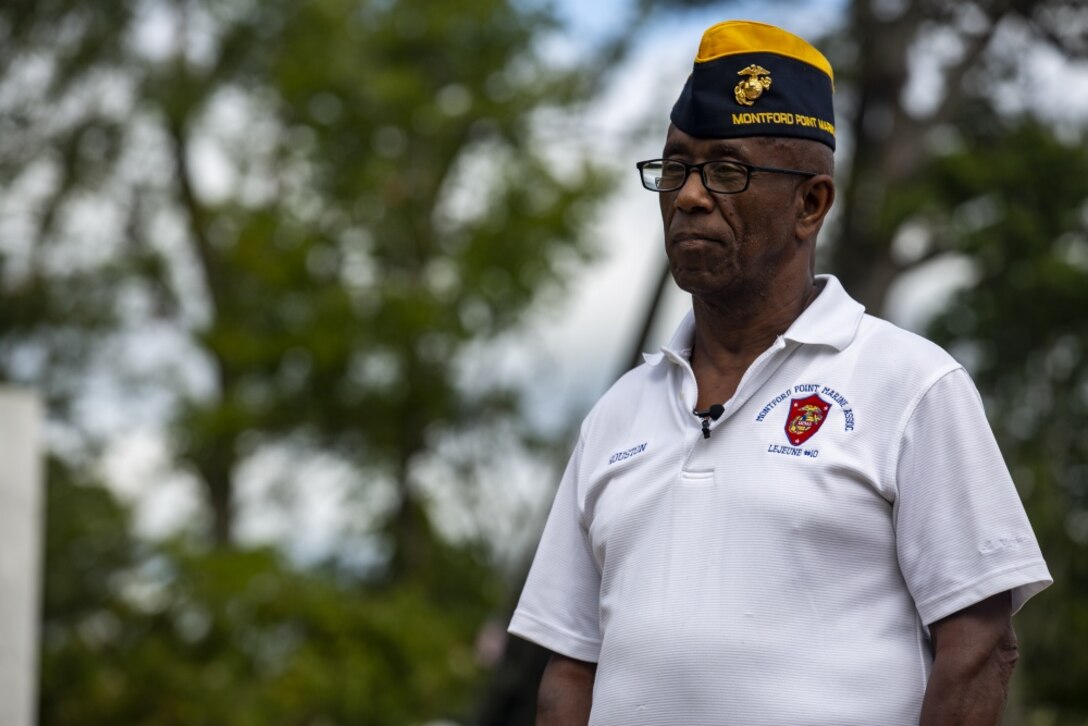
[
  {"x": 305, "y": 213},
  {"x": 1014, "y": 199},
  {"x": 979, "y": 58},
  {"x": 325, "y": 203},
  {"x": 142, "y": 633}
]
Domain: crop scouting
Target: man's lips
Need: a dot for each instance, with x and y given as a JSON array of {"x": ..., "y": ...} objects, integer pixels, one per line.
[{"x": 693, "y": 238}]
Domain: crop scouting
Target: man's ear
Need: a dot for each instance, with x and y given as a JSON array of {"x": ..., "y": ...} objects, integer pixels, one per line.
[{"x": 816, "y": 195}]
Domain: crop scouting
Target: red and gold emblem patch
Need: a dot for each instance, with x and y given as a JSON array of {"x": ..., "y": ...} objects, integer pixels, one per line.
[{"x": 806, "y": 417}]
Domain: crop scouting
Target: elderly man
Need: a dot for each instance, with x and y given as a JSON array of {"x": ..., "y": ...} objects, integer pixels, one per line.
[{"x": 795, "y": 513}]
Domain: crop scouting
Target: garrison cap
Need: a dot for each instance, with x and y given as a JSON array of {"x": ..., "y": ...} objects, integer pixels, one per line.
[{"x": 753, "y": 79}]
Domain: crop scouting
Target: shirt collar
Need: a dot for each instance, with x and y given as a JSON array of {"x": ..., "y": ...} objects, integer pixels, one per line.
[
  {"x": 679, "y": 346},
  {"x": 831, "y": 319}
]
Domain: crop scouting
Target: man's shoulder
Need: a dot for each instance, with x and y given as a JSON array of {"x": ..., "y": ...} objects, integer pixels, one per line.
[{"x": 882, "y": 344}]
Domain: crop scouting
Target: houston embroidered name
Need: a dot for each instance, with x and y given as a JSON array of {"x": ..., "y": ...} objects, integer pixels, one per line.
[{"x": 621, "y": 455}]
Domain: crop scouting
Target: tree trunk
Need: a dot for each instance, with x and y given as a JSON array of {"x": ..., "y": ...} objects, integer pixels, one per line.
[
  {"x": 216, "y": 464},
  {"x": 886, "y": 152}
]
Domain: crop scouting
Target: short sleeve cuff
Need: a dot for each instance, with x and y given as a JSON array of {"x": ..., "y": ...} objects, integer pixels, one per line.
[
  {"x": 553, "y": 638},
  {"x": 1024, "y": 581}
]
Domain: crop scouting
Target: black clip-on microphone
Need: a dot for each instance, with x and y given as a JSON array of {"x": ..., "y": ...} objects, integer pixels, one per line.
[{"x": 712, "y": 413}]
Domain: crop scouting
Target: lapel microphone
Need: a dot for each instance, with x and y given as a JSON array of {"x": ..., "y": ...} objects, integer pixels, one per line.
[{"x": 711, "y": 414}]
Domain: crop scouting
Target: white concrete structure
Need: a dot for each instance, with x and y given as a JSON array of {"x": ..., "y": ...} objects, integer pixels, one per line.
[{"x": 21, "y": 502}]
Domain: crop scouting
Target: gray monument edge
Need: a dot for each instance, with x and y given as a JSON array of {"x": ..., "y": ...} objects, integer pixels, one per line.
[{"x": 21, "y": 513}]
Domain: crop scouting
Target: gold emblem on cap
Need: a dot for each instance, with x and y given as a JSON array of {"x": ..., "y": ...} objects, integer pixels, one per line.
[{"x": 748, "y": 90}]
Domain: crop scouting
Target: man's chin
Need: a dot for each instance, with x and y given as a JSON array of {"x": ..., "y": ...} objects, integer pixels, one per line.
[
  {"x": 699, "y": 280},
  {"x": 711, "y": 286}
]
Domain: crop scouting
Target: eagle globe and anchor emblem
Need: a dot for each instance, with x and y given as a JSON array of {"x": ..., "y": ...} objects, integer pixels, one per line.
[
  {"x": 758, "y": 80},
  {"x": 806, "y": 417}
]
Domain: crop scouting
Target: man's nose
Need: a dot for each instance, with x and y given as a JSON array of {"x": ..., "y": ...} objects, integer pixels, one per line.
[{"x": 693, "y": 195}]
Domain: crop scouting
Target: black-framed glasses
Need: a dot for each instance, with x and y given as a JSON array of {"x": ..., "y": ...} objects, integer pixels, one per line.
[{"x": 722, "y": 177}]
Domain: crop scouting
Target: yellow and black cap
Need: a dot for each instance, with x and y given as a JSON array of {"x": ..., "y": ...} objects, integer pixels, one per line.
[{"x": 753, "y": 79}]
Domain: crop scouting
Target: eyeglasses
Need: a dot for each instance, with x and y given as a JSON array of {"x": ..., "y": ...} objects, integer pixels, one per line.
[{"x": 722, "y": 177}]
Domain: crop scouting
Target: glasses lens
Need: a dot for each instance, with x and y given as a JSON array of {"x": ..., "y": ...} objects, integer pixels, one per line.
[
  {"x": 663, "y": 175},
  {"x": 725, "y": 176}
]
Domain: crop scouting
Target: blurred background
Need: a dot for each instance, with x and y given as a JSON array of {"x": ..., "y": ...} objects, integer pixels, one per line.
[{"x": 316, "y": 293}]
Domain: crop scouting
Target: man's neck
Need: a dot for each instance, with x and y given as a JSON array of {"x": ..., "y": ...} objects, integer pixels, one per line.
[{"x": 731, "y": 333}]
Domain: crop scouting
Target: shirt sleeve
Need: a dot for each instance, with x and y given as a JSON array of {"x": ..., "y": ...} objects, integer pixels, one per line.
[
  {"x": 559, "y": 606},
  {"x": 962, "y": 533}
]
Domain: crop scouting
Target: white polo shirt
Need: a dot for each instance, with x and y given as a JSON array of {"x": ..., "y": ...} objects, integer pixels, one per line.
[{"x": 784, "y": 570}]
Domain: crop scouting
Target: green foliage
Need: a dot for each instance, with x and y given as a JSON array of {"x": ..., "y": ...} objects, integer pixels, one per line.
[
  {"x": 177, "y": 634},
  {"x": 382, "y": 204},
  {"x": 325, "y": 204},
  {"x": 1016, "y": 200}
]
